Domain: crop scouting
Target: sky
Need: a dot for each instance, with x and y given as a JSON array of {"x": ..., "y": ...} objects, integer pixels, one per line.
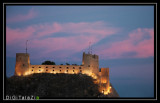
[{"x": 122, "y": 37}]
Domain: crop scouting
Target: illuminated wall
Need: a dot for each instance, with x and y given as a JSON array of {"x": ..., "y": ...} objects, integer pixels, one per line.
[
  {"x": 104, "y": 81},
  {"x": 22, "y": 63},
  {"x": 70, "y": 69},
  {"x": 92, "y": 62}
]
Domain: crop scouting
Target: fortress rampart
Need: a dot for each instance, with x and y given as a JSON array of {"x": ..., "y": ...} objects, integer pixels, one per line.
[{"x": 90, "y": 67}]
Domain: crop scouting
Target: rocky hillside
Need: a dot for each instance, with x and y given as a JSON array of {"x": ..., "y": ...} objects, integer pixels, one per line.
[
  {"x": 48, "y": 85},
  {"x": 52, "y": 85}
]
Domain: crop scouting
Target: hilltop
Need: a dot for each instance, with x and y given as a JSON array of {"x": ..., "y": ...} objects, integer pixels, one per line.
[{"x": 52, "y": 85}]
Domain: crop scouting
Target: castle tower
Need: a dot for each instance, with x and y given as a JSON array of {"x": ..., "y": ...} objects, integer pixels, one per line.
[
  {"x": 22, "y": 63},
  {"x": 91, "y": 62},
  {"x": 104, "y": 80}
]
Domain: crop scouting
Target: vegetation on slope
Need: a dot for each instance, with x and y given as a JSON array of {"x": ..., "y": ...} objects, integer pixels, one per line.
[{"x": 52, "y": 85}]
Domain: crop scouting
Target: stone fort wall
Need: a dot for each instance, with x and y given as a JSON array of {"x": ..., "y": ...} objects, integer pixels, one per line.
[{"x": 69, "y": 69}]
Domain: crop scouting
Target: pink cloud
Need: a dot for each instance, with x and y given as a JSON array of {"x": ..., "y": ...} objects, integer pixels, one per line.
[
  {"x": 48, "y": 29},
  {"x": 135, "y": 46},
  {"x": 99, "y": 28},
  {"x": 22, "y": 17},
  {"x": 78, "y": 41},
  {"x": 138, "y": 44},
  {"x": 80, "y": 35},
  {"x": 14, "y": 35},
  {"x": 73, "y": 44},
  {"x": 75, "y": 29}
]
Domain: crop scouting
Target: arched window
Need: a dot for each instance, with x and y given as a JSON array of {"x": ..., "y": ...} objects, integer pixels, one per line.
[
  {"x": 46, "y": 69},
  {"x": 79, "y": 67},
  {"x": 39, "y": 67},
  {"x": 39, "y": 70},
  {"x": 53, "y": 70},
  {"x": 32, "y": 67},
  {"x": 60, "y": 67},
  {"x": 53, "y": 67},
  {"x": 66, "y": 70},
  {"x": 73, "y": 70},
  {"x": 73, "y": 67},
  {"x": 60, "y": 70}
]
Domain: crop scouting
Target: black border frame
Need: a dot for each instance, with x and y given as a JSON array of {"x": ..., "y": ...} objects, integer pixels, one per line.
[{"x": 84, "y": 4}]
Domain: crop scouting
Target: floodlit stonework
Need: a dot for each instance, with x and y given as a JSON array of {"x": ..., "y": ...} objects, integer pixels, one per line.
[{"x": 90, "y": 67}]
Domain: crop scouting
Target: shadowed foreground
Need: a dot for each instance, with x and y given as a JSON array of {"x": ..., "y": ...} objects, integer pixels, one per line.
[{"x": 53, "y": 85}]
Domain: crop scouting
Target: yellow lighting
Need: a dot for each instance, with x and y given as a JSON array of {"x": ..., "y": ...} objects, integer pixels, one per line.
[
  {"x": 107, "y": 91},
  {"x": 27, "y": 73},
  {"x": 18, "y": 74}
]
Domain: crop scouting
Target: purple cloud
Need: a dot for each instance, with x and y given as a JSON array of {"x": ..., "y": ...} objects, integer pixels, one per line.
[{"x": 137, "y": 45}]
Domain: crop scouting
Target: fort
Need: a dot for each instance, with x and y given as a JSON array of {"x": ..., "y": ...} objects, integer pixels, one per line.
[{"x": 90, "y": 67}]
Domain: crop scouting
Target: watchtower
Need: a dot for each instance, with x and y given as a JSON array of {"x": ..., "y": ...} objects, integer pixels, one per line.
[
  {"x": 104, "y": 80},
  {"x": 22, "y": 63},
  {"x": 91, "y": 62}
]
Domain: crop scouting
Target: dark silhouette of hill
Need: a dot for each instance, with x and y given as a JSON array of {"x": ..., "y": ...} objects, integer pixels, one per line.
[{"x": 53, "y": 86}]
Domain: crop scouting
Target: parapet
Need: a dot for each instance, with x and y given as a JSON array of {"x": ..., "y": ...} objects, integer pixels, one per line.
[
  {"x": 22, "y": 57},
  {"x": 95, "y": 56},
  {"x": 91, "y": 55}
]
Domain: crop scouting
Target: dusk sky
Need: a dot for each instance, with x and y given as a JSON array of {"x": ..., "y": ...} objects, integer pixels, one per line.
[{"x": 122, "y": 36}]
